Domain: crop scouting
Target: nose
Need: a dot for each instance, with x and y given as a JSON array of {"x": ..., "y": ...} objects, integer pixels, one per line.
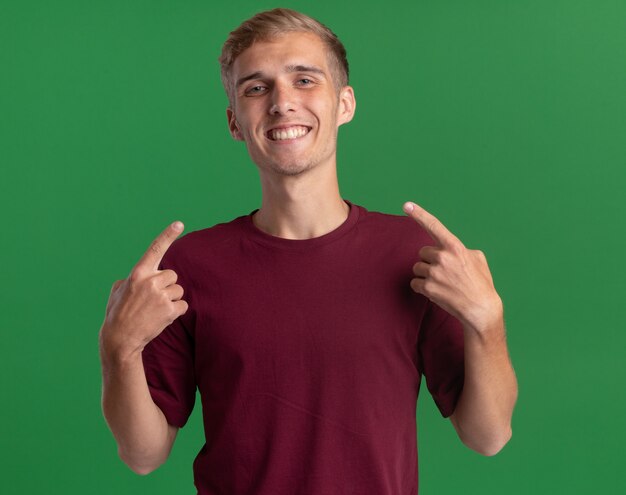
[{"x": 283, "y": 100}]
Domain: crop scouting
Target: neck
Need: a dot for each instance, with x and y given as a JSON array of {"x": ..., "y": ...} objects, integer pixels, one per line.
[{"x": 301, "y": 206}]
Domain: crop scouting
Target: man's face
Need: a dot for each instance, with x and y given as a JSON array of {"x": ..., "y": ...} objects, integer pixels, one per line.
[{"x": 286, "y": 107}]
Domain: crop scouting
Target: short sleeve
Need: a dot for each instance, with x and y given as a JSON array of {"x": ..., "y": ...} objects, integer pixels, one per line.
[
  {"x": 168, "y": 364},
  {"x": 441, "y": 357}
]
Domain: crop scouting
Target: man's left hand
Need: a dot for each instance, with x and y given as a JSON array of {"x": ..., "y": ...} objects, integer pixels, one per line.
[{"x": 455, "y": 278}]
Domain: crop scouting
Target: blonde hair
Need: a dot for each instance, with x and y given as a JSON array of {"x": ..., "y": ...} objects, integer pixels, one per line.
[{"x": 271, "y": 24}]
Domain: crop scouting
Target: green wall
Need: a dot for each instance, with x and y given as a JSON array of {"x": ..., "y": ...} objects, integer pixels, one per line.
[{"x": 505, "y": 119}]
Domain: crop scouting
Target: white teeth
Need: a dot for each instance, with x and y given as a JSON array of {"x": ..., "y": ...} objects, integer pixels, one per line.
[{"x": 289, "y": 133}]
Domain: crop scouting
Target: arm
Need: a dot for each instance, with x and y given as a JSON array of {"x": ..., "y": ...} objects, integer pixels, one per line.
[
  {"x": 143, "y": 436},
  {"x": 458, "y": 280},
  {"x": 482, "y": 418},
  {"x": 138, "y": 310}
]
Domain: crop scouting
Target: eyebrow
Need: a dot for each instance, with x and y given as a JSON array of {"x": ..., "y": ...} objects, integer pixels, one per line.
[{"x": 288, "y": 68}]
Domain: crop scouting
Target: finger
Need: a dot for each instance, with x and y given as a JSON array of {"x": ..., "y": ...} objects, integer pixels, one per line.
[
  {"x": 417, "y": 284},
  {"x": 153, "y": 256},
  {"x": 165, "y": 278},
  {"x": 116, "y": 285},
  {"x": 431, "y": 224},
  {"x": 425, "y": 286},
  {"x": 421, "y": 269},
  {"x": 430, "y": 254},
  {"x": 174, "y": 292},
  {"x": 180, "y": 307}
]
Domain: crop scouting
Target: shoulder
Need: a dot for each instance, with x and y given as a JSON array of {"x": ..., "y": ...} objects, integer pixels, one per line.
[
  {"x": 198, "y": 244},
  {"x": 394, "y": 227}
]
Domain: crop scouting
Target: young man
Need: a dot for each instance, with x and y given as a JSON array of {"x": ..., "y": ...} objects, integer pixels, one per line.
[{"x": 306, "y": 325}]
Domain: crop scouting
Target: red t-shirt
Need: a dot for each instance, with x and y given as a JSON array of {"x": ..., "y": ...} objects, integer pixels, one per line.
[{"x": 308, "y": 356}]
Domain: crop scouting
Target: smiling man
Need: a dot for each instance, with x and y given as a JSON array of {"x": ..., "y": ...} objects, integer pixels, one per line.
[
  {"x": 287, "y": 100},
  {"x": 308, "y": 323}
]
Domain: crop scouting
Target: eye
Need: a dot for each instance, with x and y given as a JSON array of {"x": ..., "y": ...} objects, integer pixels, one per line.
[
  {"x": 255, "y": 90},
  {"x": 305, "y": 81}
]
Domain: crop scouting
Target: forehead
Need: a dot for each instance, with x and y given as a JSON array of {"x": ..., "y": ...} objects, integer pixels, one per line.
[{"x": 289, "y": 49}]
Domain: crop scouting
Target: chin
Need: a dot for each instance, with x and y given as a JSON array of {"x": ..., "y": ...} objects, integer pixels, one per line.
[{"x": 288, "y": 169}]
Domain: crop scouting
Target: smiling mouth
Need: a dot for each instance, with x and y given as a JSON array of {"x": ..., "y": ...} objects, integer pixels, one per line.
[{"x": 287, "y": 133}]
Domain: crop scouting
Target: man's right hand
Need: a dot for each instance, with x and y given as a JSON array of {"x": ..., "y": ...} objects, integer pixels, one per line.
[{"x": 142, "y": 305}]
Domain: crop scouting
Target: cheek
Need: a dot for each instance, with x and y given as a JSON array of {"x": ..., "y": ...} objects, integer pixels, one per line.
[
  {"x": 326, "y": 118},
  {"x": 246, "y": 130}
]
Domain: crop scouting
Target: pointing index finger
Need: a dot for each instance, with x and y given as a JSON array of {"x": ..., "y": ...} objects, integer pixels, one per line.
[
  {"x": 431, "y": 224},
  {"x": 153, "y": 256}
]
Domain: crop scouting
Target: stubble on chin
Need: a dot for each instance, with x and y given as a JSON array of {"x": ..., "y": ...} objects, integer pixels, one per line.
[
  {"x": 290, "y": 169},
  {"x": 284, "y": 167}
]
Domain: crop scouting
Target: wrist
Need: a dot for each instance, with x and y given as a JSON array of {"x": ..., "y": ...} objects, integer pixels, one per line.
[
  {"x": 116, "y": 350},
  {"x": 489, "y": 323}
]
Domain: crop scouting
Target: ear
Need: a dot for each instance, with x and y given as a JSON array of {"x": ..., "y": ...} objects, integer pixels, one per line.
[
  {"x": 233, "y": 125},
  {"x": 347, "y": 105}
]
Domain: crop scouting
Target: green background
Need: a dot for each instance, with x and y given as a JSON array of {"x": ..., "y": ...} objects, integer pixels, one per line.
[{"x": 505, "y": 119}]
